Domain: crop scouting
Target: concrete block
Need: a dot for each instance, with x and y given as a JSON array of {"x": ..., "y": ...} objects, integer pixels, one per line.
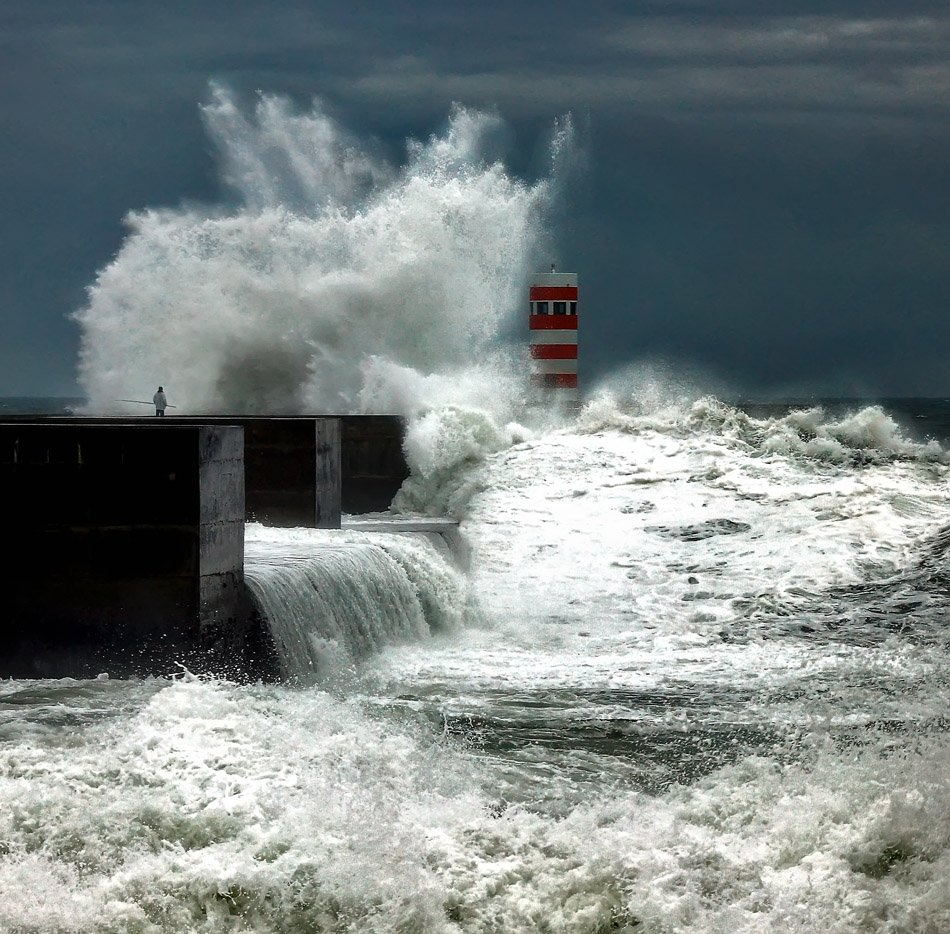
[
  {"x": 129, "y": 549},
  {"x": 327, "y": 476},
  {"x": 373, "y": 465},
  {"x": 284, "y": 476}
]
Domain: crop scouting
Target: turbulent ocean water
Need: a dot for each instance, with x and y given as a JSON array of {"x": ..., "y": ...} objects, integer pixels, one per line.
[{"x": 695, "y": 678}]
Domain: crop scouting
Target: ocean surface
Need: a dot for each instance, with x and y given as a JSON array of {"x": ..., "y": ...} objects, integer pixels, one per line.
[
  {"x": 39, "y": 405},
  {"x": 696, "y": 679}
]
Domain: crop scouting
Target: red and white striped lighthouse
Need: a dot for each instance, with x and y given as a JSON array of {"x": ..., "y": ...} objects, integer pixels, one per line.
[{"x": 553, "y": 322}]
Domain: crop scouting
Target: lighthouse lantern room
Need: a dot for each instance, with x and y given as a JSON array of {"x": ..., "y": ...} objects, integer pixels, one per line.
[{"x": 553, "y": 323}]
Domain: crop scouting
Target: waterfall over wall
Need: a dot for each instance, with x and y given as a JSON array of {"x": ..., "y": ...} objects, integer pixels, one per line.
[{"x": 331, "y": 598}]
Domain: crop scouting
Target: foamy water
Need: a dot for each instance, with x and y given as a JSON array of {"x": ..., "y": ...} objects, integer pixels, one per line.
[
  {"x": 705, "y": 689},
  {"x": 332, "y": 598}
]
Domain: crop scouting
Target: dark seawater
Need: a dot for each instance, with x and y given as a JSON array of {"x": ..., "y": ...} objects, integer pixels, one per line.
[{"x": 39, "y": 405}]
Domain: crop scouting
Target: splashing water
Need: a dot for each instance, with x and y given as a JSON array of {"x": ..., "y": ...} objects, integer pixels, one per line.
[
  {"x": 339, "y": 283},
  {"x": 333, "y": 597}
]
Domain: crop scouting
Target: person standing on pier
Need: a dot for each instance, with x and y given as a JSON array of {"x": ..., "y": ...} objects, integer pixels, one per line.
[{"x": 160, "y": 401}]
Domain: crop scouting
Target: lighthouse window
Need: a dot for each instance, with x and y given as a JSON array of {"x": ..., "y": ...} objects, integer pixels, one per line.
[
  {"x": 573, "y": 308},
  {"x": 541, "y": 308},
  {"x": 560, "y": 308}
]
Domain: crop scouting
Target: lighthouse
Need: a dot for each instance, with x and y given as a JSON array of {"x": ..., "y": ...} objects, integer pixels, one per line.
[{"x": 553, "y": 323}]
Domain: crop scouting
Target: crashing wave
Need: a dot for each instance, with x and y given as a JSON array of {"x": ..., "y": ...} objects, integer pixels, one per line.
[
  {"x": 338, "y": 282},
  {"x": 866, "y": 435}
]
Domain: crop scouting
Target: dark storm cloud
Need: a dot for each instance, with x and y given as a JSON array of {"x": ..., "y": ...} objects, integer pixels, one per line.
[
  {"x": 678, "y": 64},
  {"x": 765, "y": 192}
]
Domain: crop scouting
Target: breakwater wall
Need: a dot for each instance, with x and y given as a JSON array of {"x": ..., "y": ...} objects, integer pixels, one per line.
[
  {"x": 127, "y": 534},
  {"x": 298, "y": 470}
]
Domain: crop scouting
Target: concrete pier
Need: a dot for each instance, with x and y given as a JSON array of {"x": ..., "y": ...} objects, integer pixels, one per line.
[
  {"x": 128, "y": 533},
  {"x": 299, "y": 470},
  {"x": 292, "y": 469},
  {"x": 125, "y": 550},
  {"x": 308, "y": 470},
  {"x": 373, "y": 464}
]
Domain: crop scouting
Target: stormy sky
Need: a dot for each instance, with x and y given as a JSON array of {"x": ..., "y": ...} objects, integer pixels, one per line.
[{"x": 763, "y": 200}]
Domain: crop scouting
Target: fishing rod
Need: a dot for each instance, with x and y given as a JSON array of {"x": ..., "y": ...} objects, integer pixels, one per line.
[{"x": 143, "y": 402}]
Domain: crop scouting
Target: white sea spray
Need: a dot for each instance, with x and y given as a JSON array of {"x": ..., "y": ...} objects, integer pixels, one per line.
[{"x": 335, "y": 282}]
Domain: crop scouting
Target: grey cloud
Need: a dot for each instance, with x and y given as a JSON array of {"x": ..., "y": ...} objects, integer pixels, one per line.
[
  {"x": 920, "y": 91},
  {"x": 780, "y": 39},
  {"x": 761, "y": 66}
]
